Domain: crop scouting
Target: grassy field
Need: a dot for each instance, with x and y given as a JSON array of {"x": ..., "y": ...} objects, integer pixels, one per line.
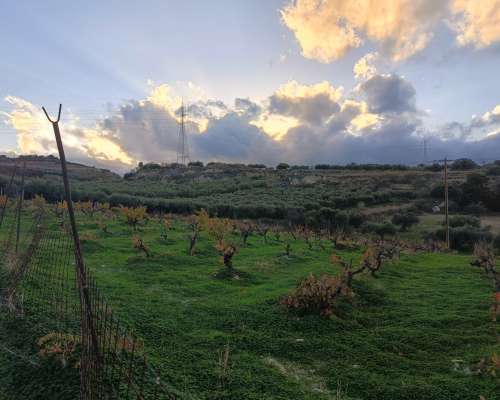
[{"x": 416, "y": 332}]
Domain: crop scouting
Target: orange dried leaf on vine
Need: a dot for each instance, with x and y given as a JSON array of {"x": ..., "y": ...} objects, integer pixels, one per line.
[{"x": 335, "y": 259}]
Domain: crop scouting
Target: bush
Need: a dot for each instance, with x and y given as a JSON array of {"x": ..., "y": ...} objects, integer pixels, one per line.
[
  {"x": 463, "y": 164},
  {"x": 494, "y": 171},
  {"x": 382, "y": 229},
  {"x": 434, "y": 167},
  {"x": 282, "y": 166},
  {"x": 405, "y": 220},
  {"x": 356, "y": 219},
  {"x": 315, "y": 294},
  {"x": 257, "y": 166},
  {"x": 496, "y": 244},
  {"x": 462, "y": 238},
  {"x": 462, "y": 220},
  {"x": 195, "y": 164}
]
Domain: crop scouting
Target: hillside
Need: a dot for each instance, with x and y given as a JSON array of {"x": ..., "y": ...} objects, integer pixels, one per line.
[{"x": 247, "y": 191}]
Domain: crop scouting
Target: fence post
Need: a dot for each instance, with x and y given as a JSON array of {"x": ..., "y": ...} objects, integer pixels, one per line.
[
  {"x": 7, "y": 194},
  {"x": 20, "y": 208},
  {"x": 88, "y": 326}
]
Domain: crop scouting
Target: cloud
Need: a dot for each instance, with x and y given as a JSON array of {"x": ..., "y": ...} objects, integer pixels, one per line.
[
  {"x": 311, "y": 104},
  {"x": 327, "y": 29},
  {"x": 364, "y": 68},
  {"x": 389, "y": 93},
  {"x": 476, "y": 23},
  {"x": 144, "y": 130},
  {"x": 247, "y": 107},
  {"x": 487, "y": 119},
  {"x": 89, "y": 145},
  {"x": 233, "y": 138},
  {"x": 377, "y": 122}
]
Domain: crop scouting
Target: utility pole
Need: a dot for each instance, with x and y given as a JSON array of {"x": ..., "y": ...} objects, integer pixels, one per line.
[{"x": 446, "y": 201}]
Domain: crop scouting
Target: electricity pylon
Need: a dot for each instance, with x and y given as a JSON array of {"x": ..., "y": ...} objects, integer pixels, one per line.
[{"x": 182, "y": 144}]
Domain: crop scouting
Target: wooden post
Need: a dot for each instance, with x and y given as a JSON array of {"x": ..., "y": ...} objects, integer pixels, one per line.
[
  {"x": 7, "y": 191},
  {"x": 20, "y": 208},
  {"x": 85, "y": 303}
]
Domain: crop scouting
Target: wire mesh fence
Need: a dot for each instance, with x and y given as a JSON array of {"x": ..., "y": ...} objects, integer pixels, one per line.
[{"x": 38, "y": 263}]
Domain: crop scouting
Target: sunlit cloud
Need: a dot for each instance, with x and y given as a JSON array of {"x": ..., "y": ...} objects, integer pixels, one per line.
[
  {"x": 378, "y": 121},
  {"x": 35, "y": 136},
  {"x": 327, "y": 29},
  {"x": 364, "y": 67},
  {"x": 275, "y": 125},
  {"x": 477, "y": 23}
]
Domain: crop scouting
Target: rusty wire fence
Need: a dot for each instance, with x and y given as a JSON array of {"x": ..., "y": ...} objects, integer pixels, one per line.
[{"x": 41, "y": 281}]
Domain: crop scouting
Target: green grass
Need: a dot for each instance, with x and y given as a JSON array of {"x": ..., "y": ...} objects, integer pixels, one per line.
[{"x": 399, "y": 340}]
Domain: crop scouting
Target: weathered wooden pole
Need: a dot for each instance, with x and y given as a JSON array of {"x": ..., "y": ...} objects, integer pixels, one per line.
[
  {"x": 7, "y": 191},
  {"x": 88, "y": 326},
  {"x": 20, "y": 208}
]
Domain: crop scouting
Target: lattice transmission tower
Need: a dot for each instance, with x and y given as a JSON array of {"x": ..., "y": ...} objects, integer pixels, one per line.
[{"x": 182, "y": 143}]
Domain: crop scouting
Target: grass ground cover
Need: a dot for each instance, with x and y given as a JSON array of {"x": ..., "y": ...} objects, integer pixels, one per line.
[{"x": 415, "y": 332}]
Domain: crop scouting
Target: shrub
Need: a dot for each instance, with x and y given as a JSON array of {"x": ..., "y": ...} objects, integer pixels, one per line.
[
  {"x": 227, "y": 251},
  {"x": 463, "y": 164},
  {"x": 316, "y": 294},
  {"x": 218, "y": 229},
  {"x": 462, "y": 238},
  {"x": 63, "y": 347},
  {"x": 134, "y": 215},
  {"x": 405, "y": 220},
  {"x": 165, "y": 225},
  {"x": 496, "y": 244},
  {"x": 38, "y": 203},
  {"x": 381, "y": 229},
  {"x": 434, "y": 167},
  {"x": 356, "y": 219},
  {"x": 139, "y": 244},
  {"x": 257, "y": 166},
  {"x": 282, "y": 166},
  {"x": 462, "y": 220},
  {"x": 485, "y": 259},
  {"x": 494, "y": 171},
  {"x": 474, "y": 209},
  {"x": 320, "y": 294}
]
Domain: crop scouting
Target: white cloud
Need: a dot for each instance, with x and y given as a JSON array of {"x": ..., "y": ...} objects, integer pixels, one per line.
[
  {"x": 306, "y": 124},
  {"x": 477, "y": 22},
  {"x": 364, "y": 68},
  {"x": 327, "y": 29}
]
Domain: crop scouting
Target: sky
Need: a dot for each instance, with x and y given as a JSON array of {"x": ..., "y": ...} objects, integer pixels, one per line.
[{"x": 263, "y": 81}]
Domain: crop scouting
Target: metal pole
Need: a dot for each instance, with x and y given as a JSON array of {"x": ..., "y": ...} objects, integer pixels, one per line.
[
  {"x": 446, "y": 209},
  {"x": 20, "y": 208},
  {"x": 81, "y": 270}
]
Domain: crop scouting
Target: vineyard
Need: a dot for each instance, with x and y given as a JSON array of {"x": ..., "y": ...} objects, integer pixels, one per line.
[{"x": 210, "y": 308}]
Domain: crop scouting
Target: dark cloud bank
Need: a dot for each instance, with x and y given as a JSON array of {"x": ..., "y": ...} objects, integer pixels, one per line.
[{"x": 327, "y": 132}]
